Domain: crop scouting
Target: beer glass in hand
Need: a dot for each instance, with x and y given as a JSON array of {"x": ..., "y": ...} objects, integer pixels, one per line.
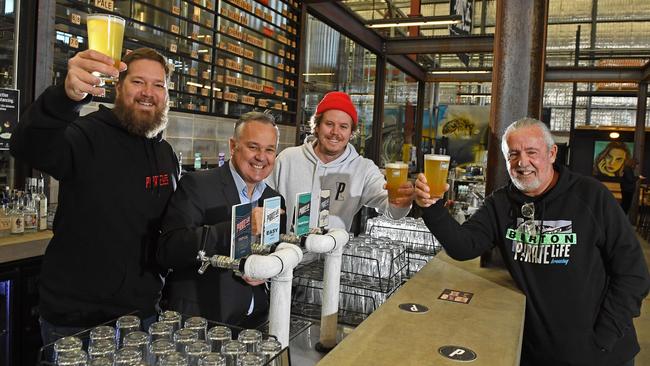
[
  {"x": 435, "y": 170},
  {"x": 105, "y": 35},
  {"x": 396, "y": 175}
]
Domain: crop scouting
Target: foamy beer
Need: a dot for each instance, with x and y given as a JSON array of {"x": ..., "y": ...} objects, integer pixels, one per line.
[
  {"x": 105, "y": 34},
  {"x": 396, "y": 175},
  {"x": 435, "y": 170}
]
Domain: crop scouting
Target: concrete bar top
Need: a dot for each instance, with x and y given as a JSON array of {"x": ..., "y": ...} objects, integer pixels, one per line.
[
  {"x": 490, "y": 324},
  {"x": 23, "y": 246}
]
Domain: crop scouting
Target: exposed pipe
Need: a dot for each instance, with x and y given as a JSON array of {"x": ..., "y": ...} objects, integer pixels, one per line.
[
  {"x": 279, "y": 267},
  {"x": 331, "y": 244}
]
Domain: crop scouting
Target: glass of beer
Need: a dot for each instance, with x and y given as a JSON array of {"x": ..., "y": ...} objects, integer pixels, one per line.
[
  {"x": 435, "y": 170},
  {"x": 105, "y": 35},
  {"x": 396, "y": 175}
]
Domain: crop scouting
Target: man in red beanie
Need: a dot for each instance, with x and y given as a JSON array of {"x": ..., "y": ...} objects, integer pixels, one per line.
[{"x": 327, "y": 160}]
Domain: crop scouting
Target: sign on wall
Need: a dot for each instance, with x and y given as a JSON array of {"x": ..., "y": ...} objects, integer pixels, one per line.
[{"x": 9, "y": 101}]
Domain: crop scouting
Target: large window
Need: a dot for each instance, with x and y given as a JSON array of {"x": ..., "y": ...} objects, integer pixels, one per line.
[{"x": 335, "y": 62}]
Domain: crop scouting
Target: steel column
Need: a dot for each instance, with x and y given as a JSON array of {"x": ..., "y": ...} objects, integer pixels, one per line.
[
  {"x": 517, "y": 71},
  {"x": 639, "y": 144},
  {"x": 378, "y": 109}
]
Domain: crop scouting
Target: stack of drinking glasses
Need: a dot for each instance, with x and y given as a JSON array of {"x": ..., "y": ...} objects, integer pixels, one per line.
[
  {"x": 420, "y": 244},
  {"x": 166, "y": 343},
  {"x": 371, "y": 270}
]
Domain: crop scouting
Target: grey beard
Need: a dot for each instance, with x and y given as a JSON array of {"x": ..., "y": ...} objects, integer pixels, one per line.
[{"x": 139, "y": 124}]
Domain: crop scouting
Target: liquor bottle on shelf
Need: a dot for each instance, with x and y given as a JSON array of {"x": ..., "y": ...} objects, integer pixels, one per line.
[
  {"x": 5, "y": 220},
  {"x": 17, "y": 216},
  {"x": 41, "y": 205},
  {"x": 30, "y": 213}
]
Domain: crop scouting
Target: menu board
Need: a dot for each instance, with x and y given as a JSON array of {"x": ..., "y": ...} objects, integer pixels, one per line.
[{"x": 9, "y": 100}]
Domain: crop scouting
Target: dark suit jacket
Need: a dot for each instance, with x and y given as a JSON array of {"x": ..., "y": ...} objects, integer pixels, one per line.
[{"x": 205, "y": 198}]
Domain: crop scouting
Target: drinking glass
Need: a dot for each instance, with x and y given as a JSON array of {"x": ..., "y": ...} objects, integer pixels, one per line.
[
  {"x": 127, "y": 356},
  {"x": 195, "y": 351},
  {"x": 233, "y": 350},
  {"x": 102, "y": 332},
  {"x": 172, "y": 318},
  {"x": 252, "y": 359},
  {"x": 126, "y": 324},
  {"x": 435, "y": 170},
  {"x": 197, "y": 324},
  {"x": 213, "y": 359},
  {"x": 102, "y": 348},
  {"x": 160, "y": 348},
  {"x": 65, "y": 345},
  {"x": 105, "y": 34},
  {"x": 396, "y": 175},
  {"x": 174, "y": 359},
  {"x": 217, "y": 336},
  {"x": 138, "y": 340},
  {"x": 75, "y": 357},
  {"x": 270, "y": 348},
  {"x": 101, "y": 361},
  {"x": 183, "y": 337},
  {"x": 160, "y": 330},
  {"x": 250, "y": 338}
]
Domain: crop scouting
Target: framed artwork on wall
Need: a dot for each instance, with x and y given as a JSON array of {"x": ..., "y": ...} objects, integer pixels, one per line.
[{"x": 609, "y": 159}]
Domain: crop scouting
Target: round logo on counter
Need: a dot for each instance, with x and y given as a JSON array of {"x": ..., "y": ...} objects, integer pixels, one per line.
[
  {"x": 457, "y": 353},
  {"x": 414, "y": 308}
]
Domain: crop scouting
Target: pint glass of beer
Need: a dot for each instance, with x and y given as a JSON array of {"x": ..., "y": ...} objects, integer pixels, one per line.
[
  {"x": 435, "y": 170},
  {"x": 105, "y": 34},
  {"x": 396, "y": 175}
]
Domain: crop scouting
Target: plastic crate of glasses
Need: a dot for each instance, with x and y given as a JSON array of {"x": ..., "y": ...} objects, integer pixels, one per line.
[
  {"x": 371, "y": 270},
  {"x": 173, "y": 340},
  {"x": 420, "y": 244}
]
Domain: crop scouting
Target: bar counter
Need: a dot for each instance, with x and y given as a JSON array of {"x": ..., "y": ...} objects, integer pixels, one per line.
[
  {"x": 489, "y": 324},
  {"x": 28, "y": 245}
]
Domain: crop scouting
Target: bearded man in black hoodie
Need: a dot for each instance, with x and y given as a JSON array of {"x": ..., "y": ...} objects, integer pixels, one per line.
[
  {"x": 568, "y": 246},
  {"x": 116, "y": 175}
]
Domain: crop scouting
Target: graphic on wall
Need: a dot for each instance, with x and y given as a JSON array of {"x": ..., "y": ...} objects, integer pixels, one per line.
[
  {"x": 466, "y": 127},
  {"x": 610, "y": 157}
]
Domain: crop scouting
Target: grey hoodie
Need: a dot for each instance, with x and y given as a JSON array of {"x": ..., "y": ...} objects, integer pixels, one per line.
[{"x": 353, "y": 181}]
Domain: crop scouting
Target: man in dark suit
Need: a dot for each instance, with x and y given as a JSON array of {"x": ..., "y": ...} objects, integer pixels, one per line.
[{"x": 205, "y": 198}]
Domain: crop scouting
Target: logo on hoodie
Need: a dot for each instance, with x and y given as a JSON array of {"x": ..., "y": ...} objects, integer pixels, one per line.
[
  {"x": 340, "y": 189},
  {"x": 551, "y": 246},
  {"x": 155, "y": 181}
]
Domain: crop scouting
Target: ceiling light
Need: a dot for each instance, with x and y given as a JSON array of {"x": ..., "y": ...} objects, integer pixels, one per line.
[
  {"x": 614, "y": 135},
  {"x": 414, "y": 21},
  {"x": 469, "y": 71},
  {"x": 318, "y": 74}
]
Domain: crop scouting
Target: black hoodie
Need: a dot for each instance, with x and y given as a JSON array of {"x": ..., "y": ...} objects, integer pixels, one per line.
[
  {"x": 113, "y": 190},
  {"x": 584, "y": 280}
]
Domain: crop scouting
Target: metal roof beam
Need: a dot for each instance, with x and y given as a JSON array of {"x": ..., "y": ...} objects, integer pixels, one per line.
[
  {"x": 439, "y": 45},
  {"x": 336, "y": 16}
]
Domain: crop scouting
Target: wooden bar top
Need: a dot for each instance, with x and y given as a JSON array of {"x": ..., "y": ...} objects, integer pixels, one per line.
[
  {"x": 16, "y": 247},
  {"x": 491, "y": 324}
]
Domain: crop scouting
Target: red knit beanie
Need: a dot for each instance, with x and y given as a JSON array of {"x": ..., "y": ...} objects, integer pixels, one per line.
[{"x": 338, "y": 100}]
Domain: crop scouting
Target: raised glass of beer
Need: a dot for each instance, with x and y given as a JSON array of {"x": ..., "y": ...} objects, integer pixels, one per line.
[
  {"x": 396, "y": 175},
  {"x": 105, "y": 34},
  {"x": 435, "y": 170}
]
